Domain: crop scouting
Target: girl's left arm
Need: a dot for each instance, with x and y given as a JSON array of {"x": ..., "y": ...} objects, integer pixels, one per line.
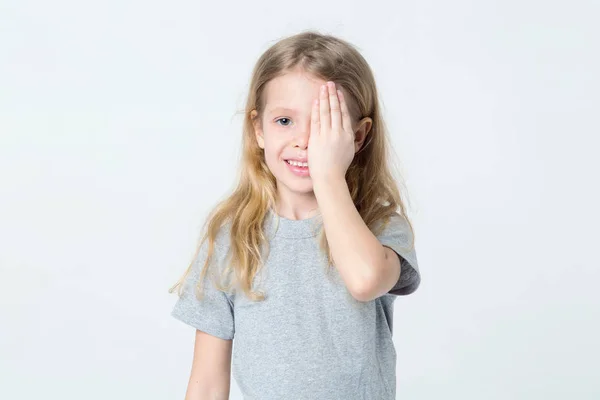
[{"x": 368, "y": 268}]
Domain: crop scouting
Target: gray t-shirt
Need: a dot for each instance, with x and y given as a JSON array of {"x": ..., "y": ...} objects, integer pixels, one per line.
[{"x": 309, "y": 339}]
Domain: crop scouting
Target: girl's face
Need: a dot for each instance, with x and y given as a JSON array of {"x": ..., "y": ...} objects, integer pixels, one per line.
[{"x": 284, "y": 128}]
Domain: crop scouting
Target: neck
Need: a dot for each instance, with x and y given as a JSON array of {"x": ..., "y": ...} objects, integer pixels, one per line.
[{"x": 296, "y": 206}]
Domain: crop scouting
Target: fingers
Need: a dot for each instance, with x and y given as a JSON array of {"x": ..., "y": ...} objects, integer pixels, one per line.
[
  {"x": 324, "y": 109},
  {"x": 315, "y": 123},
  {"x": 330, "y": 111},
  {"x": 346, "y": 121},
  {"x": 334, "y": 105}
]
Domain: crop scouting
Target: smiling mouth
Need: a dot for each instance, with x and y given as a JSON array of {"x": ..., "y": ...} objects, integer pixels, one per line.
[
  {"x": 297, "y": 164},
  {"x": 298, "y": 168}
]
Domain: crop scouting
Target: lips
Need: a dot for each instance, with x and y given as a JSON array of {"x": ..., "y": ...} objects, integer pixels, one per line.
[
  {"x": 295, "y": 168},
  {"x": 297, "y": 163}
]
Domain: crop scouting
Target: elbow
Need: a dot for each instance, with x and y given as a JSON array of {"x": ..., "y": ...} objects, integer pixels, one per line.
[
  {"x": 369, "y": 285},
  {"x": 363, "y": 298},
  {"x": 364, "y": 295},
  {"x": 364, "y": 291}
]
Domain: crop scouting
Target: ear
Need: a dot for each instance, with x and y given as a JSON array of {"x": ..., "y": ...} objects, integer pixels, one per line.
[
  {"x": 361, "y": 131},
  {"x": 258, "y": 133}
]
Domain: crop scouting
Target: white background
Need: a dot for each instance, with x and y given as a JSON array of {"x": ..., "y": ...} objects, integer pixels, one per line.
[{"x": 118, "y": 132}]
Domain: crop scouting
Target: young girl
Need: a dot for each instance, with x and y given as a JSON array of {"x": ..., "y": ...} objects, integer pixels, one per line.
[{"x": 308, "y": 254}]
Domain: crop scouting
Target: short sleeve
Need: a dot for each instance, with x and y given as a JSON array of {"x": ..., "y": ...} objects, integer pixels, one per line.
[
  {"x": 398, "y": 236},
  {"x": 212, "y": 313}
]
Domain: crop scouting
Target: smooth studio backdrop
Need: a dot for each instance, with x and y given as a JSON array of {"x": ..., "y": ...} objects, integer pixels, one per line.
[{"x": 118, "y": 132}]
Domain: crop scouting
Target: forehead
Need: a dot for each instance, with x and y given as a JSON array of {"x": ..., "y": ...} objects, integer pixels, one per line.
[{"x": 292, "y": 91}]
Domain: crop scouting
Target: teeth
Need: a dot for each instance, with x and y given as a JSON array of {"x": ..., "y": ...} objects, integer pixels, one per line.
[{"x": 297, "y": 164}]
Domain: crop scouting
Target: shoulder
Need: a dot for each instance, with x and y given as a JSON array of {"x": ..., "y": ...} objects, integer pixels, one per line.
[
  {"x": 394, "y": 224},
  {"x": 211, "y": 252},
  {"x": 220, "y": 236},
  {"x": 396, "y": 232},
  {"x": 223, "y": 237}
]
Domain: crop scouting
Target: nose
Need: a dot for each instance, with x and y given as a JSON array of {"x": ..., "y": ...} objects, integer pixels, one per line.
[{"x": 301, "y": 138}]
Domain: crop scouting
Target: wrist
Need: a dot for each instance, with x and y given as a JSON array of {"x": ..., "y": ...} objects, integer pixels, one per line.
[{"x": 325, "y": 184}]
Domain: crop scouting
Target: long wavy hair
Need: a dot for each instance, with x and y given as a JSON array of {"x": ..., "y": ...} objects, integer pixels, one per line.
[{"x": 372, "y": 177}]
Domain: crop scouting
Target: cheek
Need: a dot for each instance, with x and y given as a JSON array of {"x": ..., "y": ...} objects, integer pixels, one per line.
[
  {"x": 273, "y": 145},
  {"x": 271, "y": 152}
]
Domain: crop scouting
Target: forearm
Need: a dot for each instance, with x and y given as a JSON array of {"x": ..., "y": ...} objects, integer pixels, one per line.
[
  {"x": 203, "y": 386},
  {"x": 196, "y": 391},
  {"x": 356, "y": 252}
]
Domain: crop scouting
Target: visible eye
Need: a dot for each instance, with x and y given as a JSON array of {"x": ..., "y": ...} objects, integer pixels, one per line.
[{"x": 284, "y": 119}]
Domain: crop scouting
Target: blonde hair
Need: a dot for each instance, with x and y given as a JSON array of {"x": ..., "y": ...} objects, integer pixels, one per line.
[{"x": 372, "y": 185}]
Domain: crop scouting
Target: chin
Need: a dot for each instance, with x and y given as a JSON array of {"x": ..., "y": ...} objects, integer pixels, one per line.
[{"x": 302, "y": 187}]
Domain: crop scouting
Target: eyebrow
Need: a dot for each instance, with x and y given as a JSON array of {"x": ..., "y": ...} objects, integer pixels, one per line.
[{"x": 282, "y": 109}]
